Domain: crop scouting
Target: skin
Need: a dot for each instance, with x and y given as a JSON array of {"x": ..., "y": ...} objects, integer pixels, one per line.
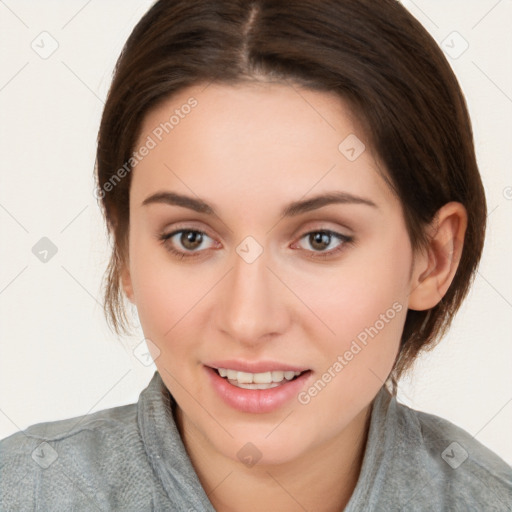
[{"x": 249, "y": 150}]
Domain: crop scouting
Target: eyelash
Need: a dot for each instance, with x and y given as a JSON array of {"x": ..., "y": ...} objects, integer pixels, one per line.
[{"x": 344, "y": 239}]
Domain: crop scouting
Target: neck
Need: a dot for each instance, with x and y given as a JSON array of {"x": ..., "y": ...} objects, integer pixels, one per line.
[{"x": 321, "y": 479}]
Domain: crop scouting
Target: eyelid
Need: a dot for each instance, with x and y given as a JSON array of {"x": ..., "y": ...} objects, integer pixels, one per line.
[
  {"x": 186, "y": 226},
  {"x": 324, "y": 224}
]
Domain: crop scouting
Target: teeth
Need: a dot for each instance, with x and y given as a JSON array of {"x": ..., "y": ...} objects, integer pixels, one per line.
[
  {"x": 254, "y": 386},
  {"x": 262, "y": 378},
  {"x": 277, "y": 376},
  {"x": 245, "y": 378}
]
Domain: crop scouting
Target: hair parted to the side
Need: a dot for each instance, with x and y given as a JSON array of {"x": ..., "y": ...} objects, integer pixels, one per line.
[{"x": 375, "y": 55}]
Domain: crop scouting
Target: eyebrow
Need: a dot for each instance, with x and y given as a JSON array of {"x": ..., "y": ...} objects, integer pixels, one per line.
[{"x": 292, "y": 209}]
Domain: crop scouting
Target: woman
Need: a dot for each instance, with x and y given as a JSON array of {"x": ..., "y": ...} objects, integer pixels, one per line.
[{"x": 297, "y": 213}]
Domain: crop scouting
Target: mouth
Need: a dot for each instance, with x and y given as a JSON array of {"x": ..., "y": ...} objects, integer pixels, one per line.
[
  {"x": 256, "y": 387},
  {"x": 262, "y": 380}
]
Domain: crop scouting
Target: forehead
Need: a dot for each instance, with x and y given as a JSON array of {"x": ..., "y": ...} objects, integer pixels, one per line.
[{"x": 273, "y": 142}]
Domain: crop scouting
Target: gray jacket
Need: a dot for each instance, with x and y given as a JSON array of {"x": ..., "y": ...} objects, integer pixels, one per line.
[{"x": 131, "y": 458}]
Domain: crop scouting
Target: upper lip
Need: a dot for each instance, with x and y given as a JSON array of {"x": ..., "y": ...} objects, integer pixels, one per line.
[{"x": 255, "y": 366}]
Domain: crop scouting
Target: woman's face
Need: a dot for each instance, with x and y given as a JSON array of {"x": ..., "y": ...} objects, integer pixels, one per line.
[{"x": 276, "y": 279}]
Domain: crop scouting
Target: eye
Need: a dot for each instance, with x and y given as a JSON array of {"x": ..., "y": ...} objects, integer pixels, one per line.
[
  {"x": 321, "y": 239},
  {"x": 192, "y": 242},
  {"x": 190, "y": 239}
]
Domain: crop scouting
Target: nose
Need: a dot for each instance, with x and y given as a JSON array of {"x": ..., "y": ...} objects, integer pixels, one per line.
[{"x": 252, "y": 306}]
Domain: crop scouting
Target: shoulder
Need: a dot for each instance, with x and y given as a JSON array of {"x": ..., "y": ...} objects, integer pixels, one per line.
[
  {"x": 88, "y": 429},
  {"x": 459, "y": 471},
  {"x": 70, "y": 462}
]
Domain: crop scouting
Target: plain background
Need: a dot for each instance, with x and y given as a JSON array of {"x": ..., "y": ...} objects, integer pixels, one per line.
[{"x": 57, "y": 357}]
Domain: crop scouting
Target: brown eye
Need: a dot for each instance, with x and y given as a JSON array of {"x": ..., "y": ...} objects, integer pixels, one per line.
[
  {"x": 321, "y": 240},
  {"x": 185, "y": 242},
  {"x": 191, "y": 239}
]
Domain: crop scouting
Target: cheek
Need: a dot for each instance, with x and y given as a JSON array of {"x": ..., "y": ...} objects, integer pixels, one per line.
[
  {"x": 368, "y": 283},
  {"x": 364, "y": 303},
  {"x": 358, "y": 299},
  {"x": 164, "y": 291}
]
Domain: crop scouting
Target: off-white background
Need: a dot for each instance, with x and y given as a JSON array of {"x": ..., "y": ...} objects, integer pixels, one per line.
[{"x": 57, "y": 357}]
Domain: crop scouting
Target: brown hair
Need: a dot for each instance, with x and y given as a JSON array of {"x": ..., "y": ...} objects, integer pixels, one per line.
[{"x": 375, "y": 55}]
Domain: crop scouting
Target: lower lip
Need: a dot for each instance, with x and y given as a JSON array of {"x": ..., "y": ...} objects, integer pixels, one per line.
[{"x": 256, "y": 400}]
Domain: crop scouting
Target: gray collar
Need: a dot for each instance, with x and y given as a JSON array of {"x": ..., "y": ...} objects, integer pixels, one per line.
[{"x": 382, "y": 475}]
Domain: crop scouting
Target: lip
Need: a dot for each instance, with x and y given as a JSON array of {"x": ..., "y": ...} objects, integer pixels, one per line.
[
  {"x": 256, "y": 401},
  {"x": 255, "y": 366}
]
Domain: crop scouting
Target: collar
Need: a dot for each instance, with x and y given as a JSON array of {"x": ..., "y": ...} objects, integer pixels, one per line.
[
  {"x": 166, "y": 451},
  {"x": 391, "y": 470}
]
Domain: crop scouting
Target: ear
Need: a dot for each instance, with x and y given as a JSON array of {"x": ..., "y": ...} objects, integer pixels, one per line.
[
  {"x": 435, "y": 266},
  {"x": 124, "y": 262},
  {"x": 127, "y": 282}
]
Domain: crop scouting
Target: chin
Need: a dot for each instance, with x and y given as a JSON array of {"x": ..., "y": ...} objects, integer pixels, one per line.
[{"x": 256, "y": 448}]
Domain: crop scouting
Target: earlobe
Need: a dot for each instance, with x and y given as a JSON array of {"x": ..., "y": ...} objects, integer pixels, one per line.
[
  {"x": 435, "y": 267},
  {"x": 127, "y": 283}
]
